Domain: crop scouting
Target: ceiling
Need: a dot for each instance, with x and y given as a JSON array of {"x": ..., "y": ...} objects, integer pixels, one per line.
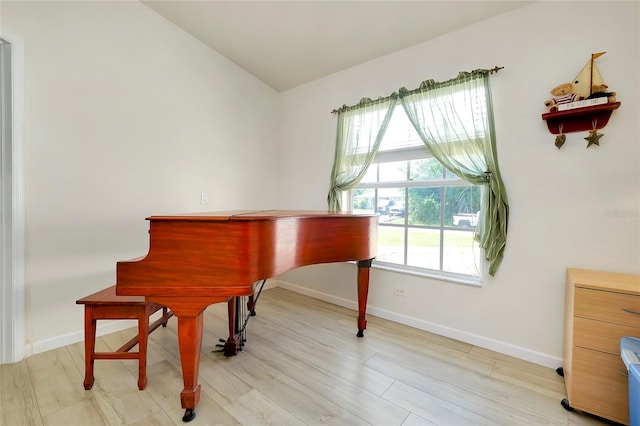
[{"x": 286, "y": 44}]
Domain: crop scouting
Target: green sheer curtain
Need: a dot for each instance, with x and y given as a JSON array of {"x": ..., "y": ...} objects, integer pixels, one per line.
[
  {"x": 455, "y": 121},
  {"x": 360, "y": 131}
]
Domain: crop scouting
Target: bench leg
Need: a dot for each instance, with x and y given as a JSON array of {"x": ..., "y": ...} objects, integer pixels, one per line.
[{"x": 89, "y": 346}]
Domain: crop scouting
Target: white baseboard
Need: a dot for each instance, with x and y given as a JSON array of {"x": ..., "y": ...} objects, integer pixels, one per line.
[
  {"x": 463, "y": 336},
  {"x": 103, "y": 327}
]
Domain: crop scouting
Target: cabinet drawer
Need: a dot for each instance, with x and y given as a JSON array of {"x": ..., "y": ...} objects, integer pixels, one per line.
[
  {"x": 618, "y": 308},
  {"x": 599, "y": 385},
  {"x": 601, "y": 336}
]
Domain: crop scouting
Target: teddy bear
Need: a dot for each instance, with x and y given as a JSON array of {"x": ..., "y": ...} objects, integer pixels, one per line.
[
  {"x": 600, "y": 90},
  {"x": 562, "y": 94}
]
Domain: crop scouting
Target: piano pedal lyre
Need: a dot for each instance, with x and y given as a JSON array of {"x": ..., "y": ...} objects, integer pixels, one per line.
[
  {"x": 239, "y": 314},
  {"x": 219, "y": 345}
]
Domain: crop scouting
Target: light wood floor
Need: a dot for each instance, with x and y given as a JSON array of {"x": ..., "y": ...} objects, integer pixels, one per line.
[{"x": 302, "y": 365}]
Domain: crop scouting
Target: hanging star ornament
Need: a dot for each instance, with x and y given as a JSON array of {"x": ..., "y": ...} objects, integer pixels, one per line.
[
  {"x": 593, "y": 138},
  {"x": 560, "y": 140}
]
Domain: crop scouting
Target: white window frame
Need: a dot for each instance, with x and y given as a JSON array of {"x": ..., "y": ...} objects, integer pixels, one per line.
[{"x": 407, "y": 154}]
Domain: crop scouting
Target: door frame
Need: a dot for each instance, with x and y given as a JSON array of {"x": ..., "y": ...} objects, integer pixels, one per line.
[{"x": 12, "y": 202}]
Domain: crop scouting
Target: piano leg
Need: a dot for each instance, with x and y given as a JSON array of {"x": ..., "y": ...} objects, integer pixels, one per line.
[
  {"x": 253, "y": 298},
  {"x": 190, "y": 314},
  {"x": 364, "y": 266},
  {"x": 251, "y": 306},
  {"x": 190, "y": 341}
]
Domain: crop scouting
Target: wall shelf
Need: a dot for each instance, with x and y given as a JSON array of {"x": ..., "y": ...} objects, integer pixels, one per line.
[{"x": 580, "y": 119}]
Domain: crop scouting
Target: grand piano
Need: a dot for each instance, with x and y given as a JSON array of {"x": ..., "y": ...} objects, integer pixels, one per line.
[{"x": 196, "y": 260}]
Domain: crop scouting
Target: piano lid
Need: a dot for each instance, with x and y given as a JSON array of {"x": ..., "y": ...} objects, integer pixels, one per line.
[{"x": 243, "y": 215}]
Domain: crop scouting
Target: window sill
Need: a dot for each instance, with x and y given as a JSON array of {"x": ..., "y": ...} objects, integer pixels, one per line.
[{"x": 452, "y": 278}]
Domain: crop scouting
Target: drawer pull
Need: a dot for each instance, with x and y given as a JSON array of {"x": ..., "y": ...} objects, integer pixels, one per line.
[
  {"x": 624, "y": 373},
  {"x": 631, "y": 311}
]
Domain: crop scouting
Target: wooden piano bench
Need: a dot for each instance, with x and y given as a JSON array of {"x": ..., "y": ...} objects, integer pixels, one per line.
[{"x": 106, "y": 305}]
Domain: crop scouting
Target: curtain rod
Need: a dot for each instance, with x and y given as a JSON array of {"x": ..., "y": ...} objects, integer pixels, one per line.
[{"x": 425, "y": 84}]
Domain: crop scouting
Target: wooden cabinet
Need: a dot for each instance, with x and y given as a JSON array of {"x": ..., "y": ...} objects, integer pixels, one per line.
[{"x": 600, "y": 308}]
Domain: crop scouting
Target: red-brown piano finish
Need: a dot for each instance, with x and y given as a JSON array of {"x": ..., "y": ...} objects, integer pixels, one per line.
[{"x": 195, "y": 260}]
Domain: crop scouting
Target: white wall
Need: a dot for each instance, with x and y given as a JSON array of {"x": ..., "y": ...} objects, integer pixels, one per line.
[
  {"x": 126, "y": 116},
  {"x": 573, "y": 207}
]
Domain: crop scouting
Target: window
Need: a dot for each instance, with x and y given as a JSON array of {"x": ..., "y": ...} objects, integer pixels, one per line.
[
  {"x": 454, "y": 120},
  {"x": 427, "y": 214}
]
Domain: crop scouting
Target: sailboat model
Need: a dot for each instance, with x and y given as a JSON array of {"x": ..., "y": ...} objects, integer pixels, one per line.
[
  {"x": 588, "y": 77},
  {"x": 592, "y": 109}
]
